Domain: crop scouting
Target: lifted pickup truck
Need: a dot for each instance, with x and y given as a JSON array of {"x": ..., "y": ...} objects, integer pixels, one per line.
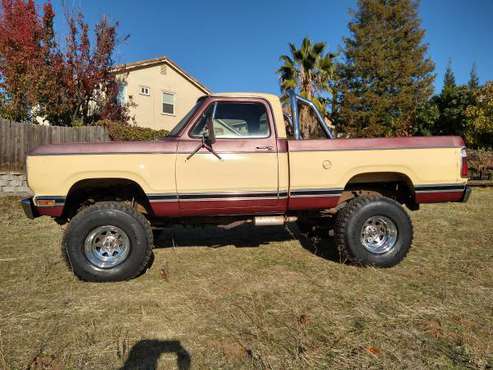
[{"x": 238, "y": 158}]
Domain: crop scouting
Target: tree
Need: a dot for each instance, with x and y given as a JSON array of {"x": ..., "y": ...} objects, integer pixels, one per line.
[
  {"x": 309, "y": 70},
  {"x": 49, "y": 87},
  {"x": 387, "y": 74},
  {"x": 449, "y": 78},
  {"x": 20, "y": 39},
  {"x": 427, "y": 115},
  {"x": 452, "y": 103},
  {"x": 93, "y": 87},
  {"x": 479, "y": 132},
  {"x": 473, "y": 83},
  {"x": 37, "y": 79}
]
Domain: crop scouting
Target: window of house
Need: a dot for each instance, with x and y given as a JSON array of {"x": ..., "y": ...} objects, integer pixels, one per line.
[
  {"x": 168, "y": 103},
  {"x": 144, "y": 90},
  {"x": 235, "y": 121}
]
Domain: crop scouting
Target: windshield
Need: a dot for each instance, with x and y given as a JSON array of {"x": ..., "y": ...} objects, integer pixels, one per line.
[{"x": 176, "y": 130}]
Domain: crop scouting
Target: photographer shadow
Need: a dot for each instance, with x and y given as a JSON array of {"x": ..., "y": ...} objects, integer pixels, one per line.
[{"x": 144, "y": 355}]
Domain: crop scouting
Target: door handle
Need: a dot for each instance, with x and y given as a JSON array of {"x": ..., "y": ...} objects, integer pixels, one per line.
[{"x": 264, "y": 147}]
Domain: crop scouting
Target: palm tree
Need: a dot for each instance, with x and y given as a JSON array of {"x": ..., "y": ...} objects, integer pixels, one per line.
[{"x": 309, "y": 71}]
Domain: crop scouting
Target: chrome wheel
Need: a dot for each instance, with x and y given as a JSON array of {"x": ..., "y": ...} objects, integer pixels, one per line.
[
  {"x": 379, "y": 234},
  {"x": 106, "y": 246}
]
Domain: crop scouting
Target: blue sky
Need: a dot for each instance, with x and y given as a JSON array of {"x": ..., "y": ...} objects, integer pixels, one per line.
[{"x": 234, "y": 45}]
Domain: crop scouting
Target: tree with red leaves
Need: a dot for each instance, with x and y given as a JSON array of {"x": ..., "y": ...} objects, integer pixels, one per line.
[
  {"x": 20, "y": 38},
  {"x": 37, "y": 79}
]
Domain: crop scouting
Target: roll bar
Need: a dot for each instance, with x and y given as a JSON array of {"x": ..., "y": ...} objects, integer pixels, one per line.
[{"x": 295, "y": 116}]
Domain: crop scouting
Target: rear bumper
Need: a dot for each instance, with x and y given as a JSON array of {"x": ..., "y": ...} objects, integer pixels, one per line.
[
  {"x": 29, "y": 208},
  {"x": 466, "y": 195}
]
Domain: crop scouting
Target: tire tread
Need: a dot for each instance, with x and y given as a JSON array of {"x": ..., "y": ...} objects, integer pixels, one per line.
[
  {"x": 343, "y": 217},
  {"x": 109, "y": 205}
]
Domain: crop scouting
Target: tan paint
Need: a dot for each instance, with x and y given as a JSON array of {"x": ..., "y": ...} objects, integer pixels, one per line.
[
  {"x": 148, "y": 109},
  {"x": 422, "y": 166},
  {"x": 245, "y": 172},
  {"x": 55, "y": 175},
  {"x": 283, "y": 169}
]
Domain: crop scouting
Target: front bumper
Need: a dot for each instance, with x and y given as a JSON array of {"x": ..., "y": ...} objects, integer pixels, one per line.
[
  {"x": 466, "y": 195},
  {"x": 29, "y": 208}
]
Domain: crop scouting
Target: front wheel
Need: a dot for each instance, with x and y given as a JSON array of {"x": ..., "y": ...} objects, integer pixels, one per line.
[
  {"x": 374, "y": 231},
  {"x": 108, "y": 241}
]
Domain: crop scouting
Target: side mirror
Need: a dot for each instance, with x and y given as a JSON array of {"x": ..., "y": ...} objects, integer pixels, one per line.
[{"x": 209, "y": 136}]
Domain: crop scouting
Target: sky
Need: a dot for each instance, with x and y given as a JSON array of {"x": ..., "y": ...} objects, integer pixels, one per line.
[{"x": 234, "y": 45}]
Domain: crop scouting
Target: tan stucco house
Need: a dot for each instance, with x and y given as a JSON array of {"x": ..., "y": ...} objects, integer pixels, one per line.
[{"x": 161, "y": 92}]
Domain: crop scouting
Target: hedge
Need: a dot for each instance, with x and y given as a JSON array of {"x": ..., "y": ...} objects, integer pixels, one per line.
[
  {"x": 480, "y": 164},
  {"x": 126, "y": 132}
]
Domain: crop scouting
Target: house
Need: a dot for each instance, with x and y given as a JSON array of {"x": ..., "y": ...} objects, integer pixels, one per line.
[{"x": 160, "y": 92}]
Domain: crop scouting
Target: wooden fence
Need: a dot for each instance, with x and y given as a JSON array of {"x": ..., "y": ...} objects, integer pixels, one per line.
[{"x": 17, "y": 139}]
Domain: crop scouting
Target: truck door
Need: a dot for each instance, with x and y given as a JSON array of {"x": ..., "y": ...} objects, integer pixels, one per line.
[{"x": 238, "y": 174}]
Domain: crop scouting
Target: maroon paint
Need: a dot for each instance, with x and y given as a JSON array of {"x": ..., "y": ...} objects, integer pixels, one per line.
[
  {"x": 50, "y": 211},
  {"x": 257, "y": 206},
  {"x": 376, "y": 144},
  {"x": 165, "y": 209},
  {"x": 219, "y": 207},
  {"x": 302, "y": 203},
  {"x": 438, "y": 197},
  {"x": 282, "y": 145},
  {"x": 167, "y": 145}
]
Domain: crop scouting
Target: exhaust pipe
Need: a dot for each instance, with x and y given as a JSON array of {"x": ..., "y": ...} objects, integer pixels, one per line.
[{"x": 273, "y": 220}]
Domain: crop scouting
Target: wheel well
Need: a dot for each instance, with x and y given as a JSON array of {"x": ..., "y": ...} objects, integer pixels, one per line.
[
  {"x": 395, "y": 185},
  {"x": 90, "y": 191}
]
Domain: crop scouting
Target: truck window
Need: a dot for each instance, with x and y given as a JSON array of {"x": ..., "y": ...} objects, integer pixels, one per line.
[{"x": 235, "y": 121}]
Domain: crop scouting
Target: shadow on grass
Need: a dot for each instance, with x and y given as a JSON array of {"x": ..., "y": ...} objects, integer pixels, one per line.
[
  {"x": 245, "y": 236},
  {"x": 145, "y": 354},
  {"x": 324, "y": 247}
]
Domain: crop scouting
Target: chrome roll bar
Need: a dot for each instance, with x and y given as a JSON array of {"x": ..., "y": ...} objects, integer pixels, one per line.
[{"x": 295, "y": 115}]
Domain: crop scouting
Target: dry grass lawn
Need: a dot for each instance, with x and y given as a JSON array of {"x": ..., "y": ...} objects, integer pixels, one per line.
[{"x": 254, "y": 298}]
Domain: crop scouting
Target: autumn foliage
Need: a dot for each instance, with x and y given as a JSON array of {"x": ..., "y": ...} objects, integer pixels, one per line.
[{"x": 38, "y": 78}]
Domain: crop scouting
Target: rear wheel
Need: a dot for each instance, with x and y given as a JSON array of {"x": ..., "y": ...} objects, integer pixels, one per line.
[
  {"x": 108, "y": 241},
  {"x": 374, "y": 231}
]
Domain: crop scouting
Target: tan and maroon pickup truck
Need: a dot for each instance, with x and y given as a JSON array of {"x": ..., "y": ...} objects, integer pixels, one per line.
[{"x": 238, "y": 158}]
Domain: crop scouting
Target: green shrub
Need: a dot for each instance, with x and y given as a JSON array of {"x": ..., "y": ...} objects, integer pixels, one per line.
[{"x": 119, "y": 131}]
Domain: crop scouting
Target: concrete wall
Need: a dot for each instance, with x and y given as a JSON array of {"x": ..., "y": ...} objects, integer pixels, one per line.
[
  {"x": 159, "y": 78},
  {"x": 13, "y": 183}
]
